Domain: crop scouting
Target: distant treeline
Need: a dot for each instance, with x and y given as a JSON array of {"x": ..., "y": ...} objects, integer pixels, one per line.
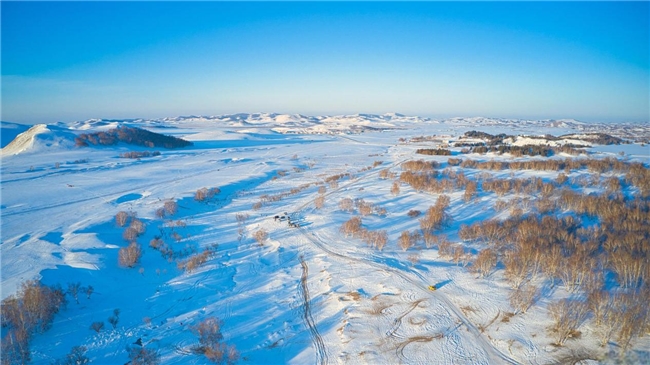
[
  {"x": 139, "y": 154},
  {"x": 130, "y": 135},
  {"x": 433, "y": 152},
  {"x": 527, "y": 150},
  {"x": 494, "y": 140}
]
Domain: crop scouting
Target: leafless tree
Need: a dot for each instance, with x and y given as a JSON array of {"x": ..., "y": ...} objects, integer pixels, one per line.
[
  {"x": 97, "y": 326},
  {"x": 470, "y": 190},
  {"x": 140, "y": 355},
  {"x": 346, "y": 204},
  {"x": 130, "y": 255},
  {"x": 121, "y": 218},
  {"x": 485, "y": 262},
  {"x": 405, "y": 240},
  {"x": 210, "y": 342},
  {"x": 73, "y": 289},
  {"x": 171, "y": 207},
  {"x": 260, "y": 236},
  {"x": 395, "y": 188},
  {"x": 523, "y": 297},
  {"x": 567, "y": 315},
  {"x": 319, "y": 202}
]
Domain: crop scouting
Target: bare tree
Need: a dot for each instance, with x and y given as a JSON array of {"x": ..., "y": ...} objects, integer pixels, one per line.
[
  {"x": 523, "y": 297},
  {"x": 30, "y": 310},
  {"x": 171, "y": 207},
  {"x": 210, "y": 342},
  {"x": 201, "y": 194},
  {"x": 121, "y": 218},
  {"x": 130, "y": 255},
  {"x": 97, "y": 326},
  {"x": 139, "y": 355},
  {"x": 137, "y": 225},
  {"x": 485, "y": 262},
  {"x": 395, "y": 188},
  {"x": 351, "y": 227},
  {"x": 346, "y": 204},
  {"x": 89, "y": 291},
  {"x": 73, "y": 289},
  {"x": 470, "y": 190},
  {"x": 114, "y": 318},
  {"x": 77, "y": 356},
  {"x": 260, "y": 236},
  {"x": 405, "y": 240},
  {"x": 568, "y": 315},
  {"x": 319, "y": 202}
]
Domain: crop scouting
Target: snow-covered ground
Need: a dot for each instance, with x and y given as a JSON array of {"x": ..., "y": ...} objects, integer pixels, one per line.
[{"x": 307, "y": 294}]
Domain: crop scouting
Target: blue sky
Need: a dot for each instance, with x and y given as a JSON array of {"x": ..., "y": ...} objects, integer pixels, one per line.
[{"x": 64, "y": 61}]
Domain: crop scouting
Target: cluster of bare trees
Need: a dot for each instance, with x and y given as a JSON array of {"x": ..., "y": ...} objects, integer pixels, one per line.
[
  {"x": 622, "y": 316},
  {"x": 364, "y": 208},
  {"x": 386, "y": 174},
  {"x": 195, "y": 261},
  {"x": 635, "y": 170},
  {"x": 419, "y": 139},
  {"x": 523, "y": 297},
  {"x": 334, "y": 179},
  {"x": 31, "y": 310},
  {"x": 353, "y": 228},
  {"x": 579, "y": 257},
  {"x": 485, "y": 262},
  {"x": 433, "y": 152},
  {"x": 140, "y": 355},
  {"x": 346, "y": 205},
  {"x": 206, "y": 194},
  {"x": 436, "y": 216},
  {"x": 426, "y": 182},
  {"x": 135, "y": 229},
  {"x": 470, "y": 190},
  {"x": 139, "y": 154},
  {"x": 567, "y": 315},
  {"x": 211, "y": 343},
  {"x": 409, "y": 239},
  {"x": 130, "y": 255},
  {"x": 77, "y": 356},
  {"x": 170, "y": 207},
  {"x": 267, "y": 199},
  {"x": 419, "y": 166}
]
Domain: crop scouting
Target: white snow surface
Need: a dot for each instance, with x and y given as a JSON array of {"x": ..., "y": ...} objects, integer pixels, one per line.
[{"x": 358, "y": 305}]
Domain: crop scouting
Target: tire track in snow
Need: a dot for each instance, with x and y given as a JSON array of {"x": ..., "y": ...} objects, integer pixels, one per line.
[
  {"x": 398, "y": 321},
  {"x": 321, "y": 353}
]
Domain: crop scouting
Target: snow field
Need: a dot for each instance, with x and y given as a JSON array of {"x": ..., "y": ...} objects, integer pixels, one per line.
[{"x": 360, "y": 305}]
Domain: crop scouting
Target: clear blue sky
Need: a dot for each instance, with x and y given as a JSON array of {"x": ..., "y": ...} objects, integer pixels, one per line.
[{"x": 77, "y": 60}]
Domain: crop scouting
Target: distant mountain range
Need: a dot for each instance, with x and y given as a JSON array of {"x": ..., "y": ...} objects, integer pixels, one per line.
[{"x": 61, "y": 133}]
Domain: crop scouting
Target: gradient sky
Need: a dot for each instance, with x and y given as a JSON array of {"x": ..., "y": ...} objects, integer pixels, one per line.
[{"x": 65, "y": 61}]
